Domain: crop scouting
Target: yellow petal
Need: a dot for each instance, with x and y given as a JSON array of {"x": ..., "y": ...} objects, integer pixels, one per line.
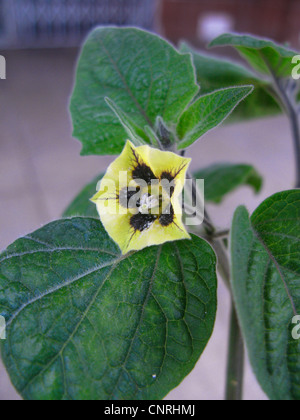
[
  {"x": 120, "y": 171},
  {"x": 166, "y": 162},
  {"x": 118, "y": 220},
  {"x": 156, "y": 235},
  {"x": 119, "y": 229}
]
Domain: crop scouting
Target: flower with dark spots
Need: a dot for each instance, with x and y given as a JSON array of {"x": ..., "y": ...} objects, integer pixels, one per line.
[{"x": 139, "y": 198}]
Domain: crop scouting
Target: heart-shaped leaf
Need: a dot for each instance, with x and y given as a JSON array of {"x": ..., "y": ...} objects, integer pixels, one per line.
[
  {"x": 84, "y": 322},
  {"x": 266, "y": 286},
  {"x": 141, "y": 73}
]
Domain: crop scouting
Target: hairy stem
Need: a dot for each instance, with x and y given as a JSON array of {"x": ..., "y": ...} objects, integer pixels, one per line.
[
  {"x": 222, "y": 234},
  {"x": 236, "y": 359},
  {"x": 236, "y": 355},
  {"x": 294, "y": 121},
  {"x": 287, "y": 97},
  {"x": 235, "y": 367},
  {"x": 223, "y": 260},
  {"x": 235, "y": 363}
]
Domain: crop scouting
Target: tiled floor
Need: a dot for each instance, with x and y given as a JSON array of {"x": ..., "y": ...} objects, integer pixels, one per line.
[{"x": 41, "y": 171}]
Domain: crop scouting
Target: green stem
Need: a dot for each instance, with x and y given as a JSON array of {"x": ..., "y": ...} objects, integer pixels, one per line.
[
  {"x": 235, "y": 368},
  {"x": 236, "y": 356},
  {"x": 290, "y": 107},
  {"x": 235, "y": 363},
  {"x": 223, "y": 260},
  {"x": 236, "y": 359},
  {"x": 222, "y": 234}
]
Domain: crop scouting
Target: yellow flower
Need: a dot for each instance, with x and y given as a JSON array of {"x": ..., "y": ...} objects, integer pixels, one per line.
[{"x": 139, "y": 198}]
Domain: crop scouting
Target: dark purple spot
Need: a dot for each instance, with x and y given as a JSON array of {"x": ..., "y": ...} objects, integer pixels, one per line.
[
  {"x": 168, "y": 182},
  {"x": 167, "y": 217},
  {"x": 129, "y": 197},
  {"x": 142, "y": 222}
]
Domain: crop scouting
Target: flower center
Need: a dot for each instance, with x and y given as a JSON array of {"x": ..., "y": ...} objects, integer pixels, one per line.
[{"x": 148, "y": 202}]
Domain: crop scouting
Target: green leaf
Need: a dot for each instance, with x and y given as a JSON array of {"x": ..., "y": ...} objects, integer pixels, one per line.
[
  {"x": 266, "y": 285},
  {"x": 223, "y": 178},
  {"x": 141, "y": 73},
  {"x": 264, "y": 55},
  {"x": 215, "y": 73},
  {"x": 135, "y": 134},
  {"x": 151, "y": 135},
  {"x": 81, "y": 205},
  {"x": 208, "y": 112},
  {"x": 84, "y": 322}
]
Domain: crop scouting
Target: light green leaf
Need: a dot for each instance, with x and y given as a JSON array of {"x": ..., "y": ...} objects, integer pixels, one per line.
[
  {"x": 266, "y": 285},
  {"x": 84, "y": 322},
  {"x": 141, "y": 73},
  {"x": 81, "y": 205},
  {"x": 135, "y": 134},
  {"x": 208, "y": 112},
  {"x": 264, "y": 55},
  {"x": 151, "y": 135},
  {"x": 223, "y": 178},
  {"x": 215, "y": 73}
]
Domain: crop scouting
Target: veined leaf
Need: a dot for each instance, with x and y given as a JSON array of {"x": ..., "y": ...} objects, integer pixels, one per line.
[
  {"x": 208, "y": 112},
  {"x": 135, "y": 134},
  {"x": 264, "y": 55},
  {"x": 266, "y": 285},
  {"x": 221, "y": 179},
  {"x": 216, "y": 73},
  {"x": 141, "y": 73},
  {"x": 85, "y": 323}
]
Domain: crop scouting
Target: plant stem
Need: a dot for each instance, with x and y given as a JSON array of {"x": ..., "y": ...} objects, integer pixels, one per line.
[
  {"x": 235, "y": 363},
  {"x": 236, "y": 358},
  {"x": 223, "y": 260},
  {"x": 221, "y": 251},
  {"x": 290, "y": 107},
  {"x": 222, "y": 234},
  {"x": 235, "y": 368},
  {"x": 294, "y": 121},
  {"x": 236, "y": 355}
]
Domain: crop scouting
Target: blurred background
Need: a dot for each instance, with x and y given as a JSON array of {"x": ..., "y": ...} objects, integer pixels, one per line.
[
  {"x": 64, "y": 23},
  {"x": 40, "y": 167}
]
